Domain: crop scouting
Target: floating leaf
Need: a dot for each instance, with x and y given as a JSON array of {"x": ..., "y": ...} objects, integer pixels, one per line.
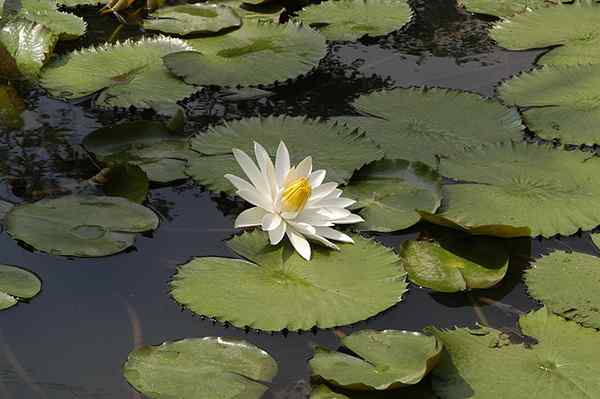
[
  {"x": 506, "y": 8},
  {"x": 385, "y": 360},
  {"x": 388, "y": 193},
  {"x": 323, "y": 392},
  {"x": 423, "y": 124},
  {"x": 188, "y": 19},
  {"x": 150, "y": 145},
  {"x": 261, "y": 12},
  {"x": 596, "y": 239},
  {"x": 575, "y": 27},
  {"x": 125, "y": 180},
  {"x": 77, "y": 3},
  {"x": 567, "y": 283},
  {"x": 516, "y": 187},
  {"x": 85, "y": 226},
  {"x": 201, "y": 368},
  {"x": 45, "y": 12},
  {"x": 482, "y": 364},
  {"x": 11, "y": 107},
  {"x": 352, "y": 19},
  {"x": 561, "y": 102},
  {"x": 283, "y": 291},
  {"x": 15, "y": 284},
  {"x": 333, "y": 148},
  {"x": 455, "y": 263},
  {"x": 257, "y": 53},
  {"x": 126, "y": 74}
]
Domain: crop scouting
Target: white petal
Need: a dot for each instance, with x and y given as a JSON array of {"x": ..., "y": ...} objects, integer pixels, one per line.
[
  {"x": 276, "y": 235},
  {"x": 334, "y": 213},
  {"x": 282, "y": 163},
  {"x": 316, "y": 178},
  {"x": 250, "y": 217},
  {"x": 349, "y": 219},
  {"x": 256, "y": 199},
  {"x": 323, "y": 240},
  {"x": 271, "y": 221},
  {"x": 303, "y": 228},
  {"x": 299, "y": 243},
  {"x": 304, "y": 168},
  {"x": 250, "y": 169},
  {"x": 239, "y": 183},
  {"x": 312, "y": 217},
  {"x": 322, "y": 191},
  {"x": 337, "y": 202},
  {"x": 334, "y": 234},
  {"x": 266, "y": 168}
]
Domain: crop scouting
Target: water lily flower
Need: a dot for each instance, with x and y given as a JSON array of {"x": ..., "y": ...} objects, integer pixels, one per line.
[{"x": 291, "y": 201}]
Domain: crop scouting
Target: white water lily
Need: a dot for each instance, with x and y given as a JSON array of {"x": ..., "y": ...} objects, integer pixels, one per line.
[{"x": 291, "y": 201}]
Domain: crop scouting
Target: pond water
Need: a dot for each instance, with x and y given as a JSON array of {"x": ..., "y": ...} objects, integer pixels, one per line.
[{"x": 71, "y": 340}]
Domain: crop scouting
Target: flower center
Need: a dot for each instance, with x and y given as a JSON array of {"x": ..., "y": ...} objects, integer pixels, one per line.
[{"x": 295, "y": 195}]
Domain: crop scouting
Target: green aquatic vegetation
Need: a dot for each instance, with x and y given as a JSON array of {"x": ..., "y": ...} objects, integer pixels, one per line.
[
  {"x": 270, "y": 11},
  {"x": 506, "y": 8},
  {"x": 124, "y": 180},
  {"x": 258, "y": 53},
  {"x": 425, "y": 124},
  {"x": 383, "y": 360},
  {"x": 17, "y": 284},
  {"x": 352, "y": 19},
  {"x": 484, "y": 364},
  {"x": 567, "y": 284},
  {"x": 64, "y": 25},
  {"x": 201, "y": 368},
  {"x": 281, "y": 290},
  {"x": 336, "y": 149},
  {"x": 11, "y": 107},
  {"x": 193, "y": 19},
  {"x": 389, "y": 193},
  {"x": 324, "y": 392}
]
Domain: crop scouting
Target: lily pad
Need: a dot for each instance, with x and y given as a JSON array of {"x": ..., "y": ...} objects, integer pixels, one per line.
[
  {"x": 518, "y": 189},
  {"x": 567, "y": 283},
  {"x": 385, "y": 360},
  {"x": 424, "y": 124},
  {"x": 160, "y": 153},
  {"x": 352, "y": 19},
  {"x": 388, "y": 193},
  {"x": 201, "y": 368},
  {"x": 125, "y": 180},
  {"x": 11, "y": 107},
  {"x": 336, "y": 149},
  {"x": 483, "y": 364},
  {"x": 283, "y": 291},
  {"x": 455, "y": 263},
  {"x": 506, "y": 8},
  {"x": 125, "y": 74},
  {"x": 15, "y": 284},
  {"x": 574, "y": 27},
  {"x": 596, "y": 239},
  {"x": 189, "y": 19},
  {"x": 257, "y": 53},
  {"x": 85, "y": 226},
  {"x": 324, "y": 392},
  {"x": 77, "y": 3},
  {"x": 260, "y": 12},
  {"x": 561, "y": 102}
]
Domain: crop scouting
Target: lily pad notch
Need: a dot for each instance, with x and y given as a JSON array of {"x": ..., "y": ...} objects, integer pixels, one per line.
[{"x": 17, "y": 284}]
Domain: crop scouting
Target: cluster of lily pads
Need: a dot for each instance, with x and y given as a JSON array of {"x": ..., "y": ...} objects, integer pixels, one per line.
[{"x": 451, "y": 158}]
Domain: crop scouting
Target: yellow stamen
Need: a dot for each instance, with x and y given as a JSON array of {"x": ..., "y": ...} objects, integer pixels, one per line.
[{"x": 295, "y": 195}]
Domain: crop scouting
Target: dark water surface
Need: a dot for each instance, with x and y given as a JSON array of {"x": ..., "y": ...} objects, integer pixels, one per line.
[{"x": 71, "y": 340}]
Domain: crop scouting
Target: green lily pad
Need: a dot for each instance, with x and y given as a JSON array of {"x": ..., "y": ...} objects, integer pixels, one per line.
[
  {"x": 574, "y": 27},
  {"x": 455, "y": 263},
  {"x": 150, "y": 145},
  {"x": 65, "y": 25},
  {"x": 125, "y": 74},
  {"x": 201, "y": 368},
  {"x": 336, "y": 149},
  {"x": 567, "y": 283},
  {"x": 85, "y": 226},
  {"x": 385, "y": 360},
  {"x": 11, "y": 107},
  {"x": 424, "y": 124},
  {"x": 352, "y": 19},
  {"x": 283, "y": 291},
  {"x": 15, "y": 284},
  {"x": 260, "y": 12},
  {"x": 518, "y": 189},
  {"x": 127, "y": 181},
  {"x": 506, "y": 8},
  {"x": 77, "y": 3},
  {"x": 388, "y": 193},
  {"x": 596, "y": 239},
  {"x": 189, "y": 19},
  {"x": 561, "y": 102},
  {"x": 483, "y": 364},
  {"x": 323, "y": 392},
  {"x": 257, "y": 53}
]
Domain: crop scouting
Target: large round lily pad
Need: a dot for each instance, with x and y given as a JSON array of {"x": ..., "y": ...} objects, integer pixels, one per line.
[
  {"x": 338, "y": 150},
  {"x": 483, "y": 364},
  {"x": 352, "y": 19},
  {"x": 125, "y": 74},
  {"x": 211, "y": 367},
  {"x": 257, "y": 53},
  {"x": 385, "y": 360},
  {"x": 281, "y": 290},
  {"x": 83, "y": 226},
  {"x": 561, "y": 102},
  {"x": 388, "y": 193},
  {"x": 574, "y": 27},
  {"x": 188, "y": 19},
  {"x": 424, "y": 124},
  {"x": 45, "y": 12},
  {"x": 15, "y": 284},
  {"x": 506, "y": 8},
  {"x": 455, "y": 263},
  {"x": 518, "y": 189},
  {"x": 567, "y": 283},
  {"x": 324, "y": 392}
]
